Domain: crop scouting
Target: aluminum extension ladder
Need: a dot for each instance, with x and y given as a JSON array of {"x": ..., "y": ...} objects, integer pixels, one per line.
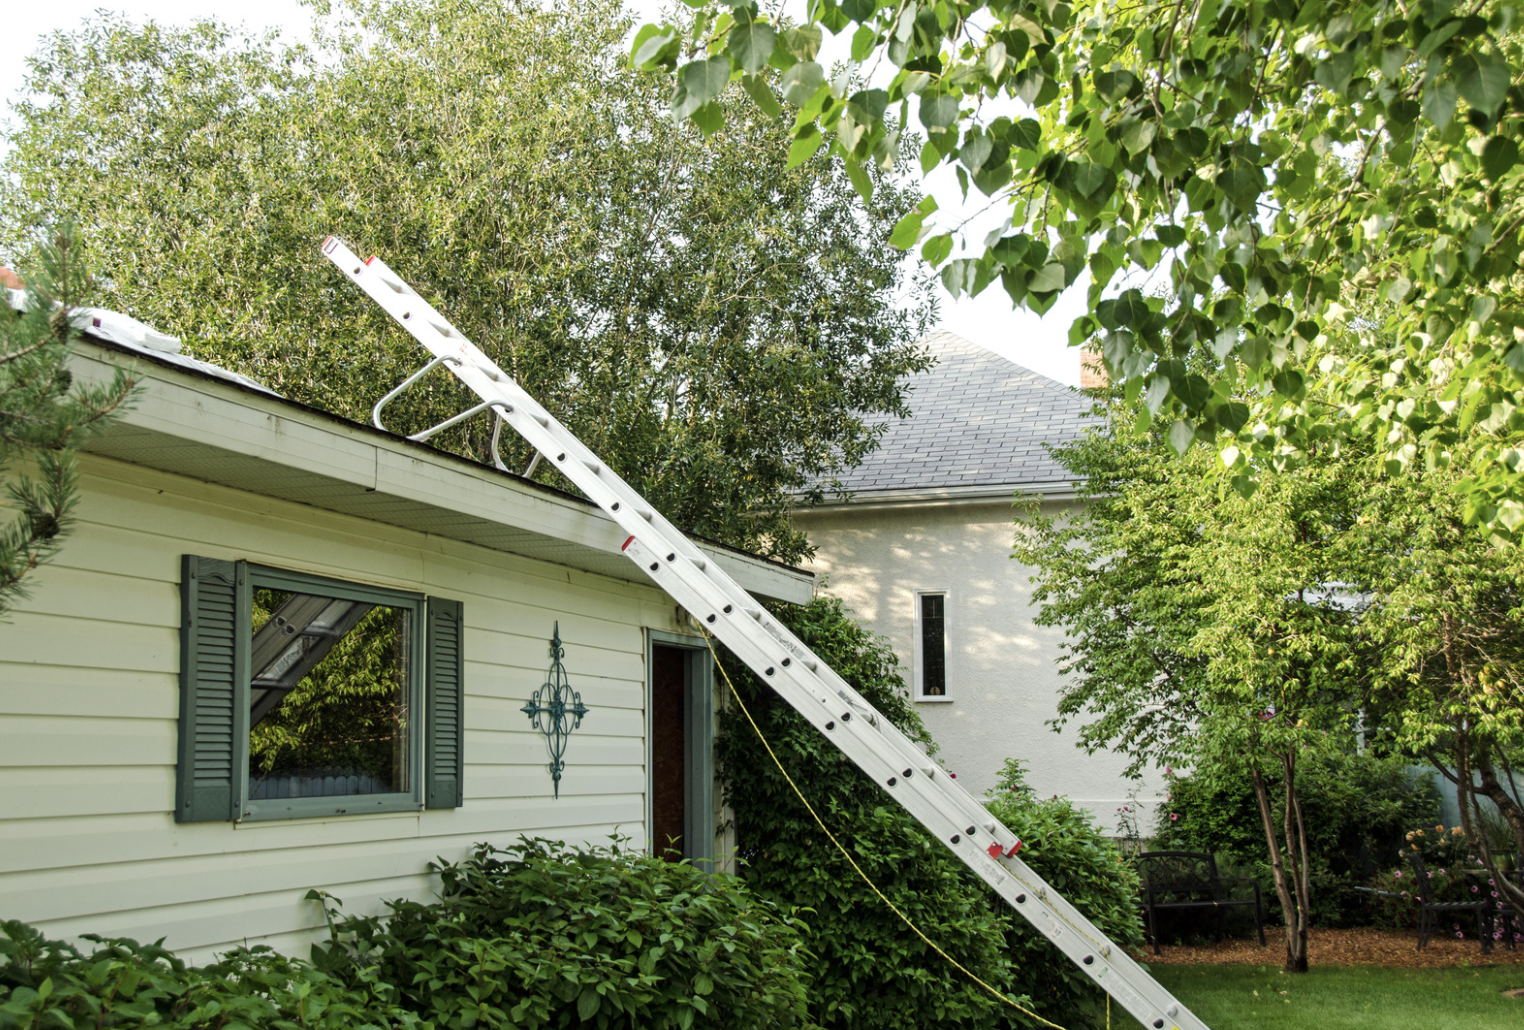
[{"x": 731, "y": 614}]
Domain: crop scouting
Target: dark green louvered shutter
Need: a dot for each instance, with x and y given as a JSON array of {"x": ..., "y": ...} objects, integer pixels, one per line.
[
  {"x": 444, "y": 688},
  {"x": 210, "y": 650}
]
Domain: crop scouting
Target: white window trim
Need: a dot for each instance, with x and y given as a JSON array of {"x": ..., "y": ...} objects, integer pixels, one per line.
[{"x": 917, "y": 695}]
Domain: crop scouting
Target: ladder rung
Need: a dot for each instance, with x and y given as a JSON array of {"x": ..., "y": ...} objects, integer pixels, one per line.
[
  {"x": 643, "y": 513},
  {"x": 754, "y": 613},
  {"x": 593, "y": 467},
  {"x": 700, "y": 563},
  {"x": 544, "y": 420}
]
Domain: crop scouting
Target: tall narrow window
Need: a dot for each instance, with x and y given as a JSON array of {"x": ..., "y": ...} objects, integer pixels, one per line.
[{"x": 931, "y": 645}]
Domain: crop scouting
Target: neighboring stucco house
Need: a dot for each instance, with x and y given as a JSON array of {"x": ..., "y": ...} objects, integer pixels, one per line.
[
  {"x": 922, "y": 551},
  {"x": 231, "y": 547}
]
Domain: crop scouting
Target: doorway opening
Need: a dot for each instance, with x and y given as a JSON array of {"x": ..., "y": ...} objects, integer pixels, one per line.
[{"x": 680, "y": 748}]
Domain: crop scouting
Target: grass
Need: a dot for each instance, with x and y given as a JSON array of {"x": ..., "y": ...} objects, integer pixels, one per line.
[{"x": 1346, "y": 997}]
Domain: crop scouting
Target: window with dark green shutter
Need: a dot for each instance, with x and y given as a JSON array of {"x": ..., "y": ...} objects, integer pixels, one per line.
[{"x": 309, "y": 696}]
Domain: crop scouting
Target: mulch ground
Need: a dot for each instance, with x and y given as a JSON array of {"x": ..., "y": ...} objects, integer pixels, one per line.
[{"x": 1359, "y": 947}]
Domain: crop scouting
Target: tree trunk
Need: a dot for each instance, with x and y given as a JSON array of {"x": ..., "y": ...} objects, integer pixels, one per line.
[
  {"x": 1508, "y": 806},
  {"x": 1288, "y": 891}
]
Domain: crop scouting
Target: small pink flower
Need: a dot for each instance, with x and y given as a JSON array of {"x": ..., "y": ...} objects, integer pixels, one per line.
[
  {"x": 1474, "y": 888},
  {"x": 1169, "y": 770},
  {"x": 1399, "y": 875},
  {"x": 1174, "y": 816}
]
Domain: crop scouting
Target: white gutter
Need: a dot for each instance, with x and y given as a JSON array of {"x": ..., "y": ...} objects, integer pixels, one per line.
[{"x": 1058, "y": 490}]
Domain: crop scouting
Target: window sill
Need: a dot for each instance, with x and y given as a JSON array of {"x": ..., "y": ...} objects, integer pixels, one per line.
[
  {"x": 933, "y": 700},
  {"x": 330, "y": 808}
]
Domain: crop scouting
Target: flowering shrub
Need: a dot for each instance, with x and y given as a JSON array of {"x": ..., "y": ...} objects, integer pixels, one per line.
[{"x": 1453, "y": 875}]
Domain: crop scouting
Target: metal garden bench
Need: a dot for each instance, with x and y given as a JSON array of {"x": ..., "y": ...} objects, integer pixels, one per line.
[{"x": 1189, "y": 880}]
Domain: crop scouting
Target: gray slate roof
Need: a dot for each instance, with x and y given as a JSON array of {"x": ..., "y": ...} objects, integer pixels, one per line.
[{"x": 978, "y": 420}]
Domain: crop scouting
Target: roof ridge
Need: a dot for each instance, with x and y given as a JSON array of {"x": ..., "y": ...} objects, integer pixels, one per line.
[
  {"x": 983, "y": 353},
  {"x": 977, "y": 419}
]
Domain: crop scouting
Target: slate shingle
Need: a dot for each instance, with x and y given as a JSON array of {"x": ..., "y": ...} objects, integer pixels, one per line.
[{"x": 977, "y": 419}]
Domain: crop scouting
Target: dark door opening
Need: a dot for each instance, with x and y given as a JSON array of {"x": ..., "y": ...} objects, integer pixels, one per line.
[
  {"x": 669, "y": 751},
  {"x": 682, "y": 749}
]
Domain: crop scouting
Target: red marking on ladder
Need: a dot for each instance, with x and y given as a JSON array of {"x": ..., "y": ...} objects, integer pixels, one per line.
[
  {"x": 994, "y": 849},
  {"x": 626, "y": 543},
  {"x": 1014, "y": 848},
  {"x": 370, "y": 259}
]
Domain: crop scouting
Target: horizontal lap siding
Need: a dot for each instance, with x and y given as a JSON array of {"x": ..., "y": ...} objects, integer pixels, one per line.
[{"x": 89, "y": 701}]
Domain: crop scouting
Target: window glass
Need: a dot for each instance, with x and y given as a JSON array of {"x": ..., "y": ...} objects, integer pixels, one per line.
[
  {"x": 933, "y": 646},
  {"x": 328, "y": 696}
]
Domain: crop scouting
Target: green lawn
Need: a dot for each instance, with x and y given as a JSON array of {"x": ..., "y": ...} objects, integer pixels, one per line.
[{"x": 1346, "y": 997}]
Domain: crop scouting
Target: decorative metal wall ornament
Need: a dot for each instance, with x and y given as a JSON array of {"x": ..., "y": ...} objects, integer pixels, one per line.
[{"x": 553, "y": 706}]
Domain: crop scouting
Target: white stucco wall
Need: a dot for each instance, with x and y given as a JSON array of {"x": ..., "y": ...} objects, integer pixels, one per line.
[{"x": 1003, "y": 679}]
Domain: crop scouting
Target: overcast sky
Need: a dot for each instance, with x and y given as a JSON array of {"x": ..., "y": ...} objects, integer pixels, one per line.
[{"x": 1038, "y": 343}]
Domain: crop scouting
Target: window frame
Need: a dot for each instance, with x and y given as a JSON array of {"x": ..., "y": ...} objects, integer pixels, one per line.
[
  {"x": 918, "y": 685},
  {"x": 269, "y": 577}
]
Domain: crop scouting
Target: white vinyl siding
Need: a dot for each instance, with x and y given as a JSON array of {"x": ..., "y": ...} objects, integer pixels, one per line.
[{"x": 89, "y": 699}]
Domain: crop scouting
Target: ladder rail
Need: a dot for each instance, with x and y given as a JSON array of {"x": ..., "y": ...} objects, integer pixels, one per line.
[{"x": 785, "y": 663}]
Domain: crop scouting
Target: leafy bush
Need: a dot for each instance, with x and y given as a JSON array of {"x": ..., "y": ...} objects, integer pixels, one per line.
[
  {"x": 1065, "y": 848},
  {"x": 122, "y": 983},
  {"x": 544, "y": 935},
  {"x": 1356, "y": 807},
  {"x": 871, "y": 971},
  {"x": 537, "y": 935}
]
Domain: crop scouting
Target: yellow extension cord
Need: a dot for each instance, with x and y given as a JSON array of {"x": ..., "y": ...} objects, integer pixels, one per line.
[{"x": 858, "y": 869}]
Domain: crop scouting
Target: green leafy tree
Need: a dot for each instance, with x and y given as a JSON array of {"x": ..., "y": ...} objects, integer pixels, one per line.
[
  {"x": 1275, "y": 166},
  {"x": 1246, "y": 636},
  {"x": 1449, "y": 628},
  {"x": 1206, "y": 628},
  {"x": 723, "y": 330},
  {"x": 45, "y": 417}
]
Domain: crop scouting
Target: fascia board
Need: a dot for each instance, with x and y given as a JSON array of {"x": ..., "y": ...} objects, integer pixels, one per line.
[{"x": 762, "y": 578}]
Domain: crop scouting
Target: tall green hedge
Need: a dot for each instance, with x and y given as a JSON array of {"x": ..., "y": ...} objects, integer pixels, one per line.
[
  {"x": 871, "y": 971},
  {"x": 1356, "y": 807}
]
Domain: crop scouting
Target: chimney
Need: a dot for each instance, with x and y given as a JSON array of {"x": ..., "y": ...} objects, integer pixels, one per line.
[{"x": 1092, "y": 371}]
